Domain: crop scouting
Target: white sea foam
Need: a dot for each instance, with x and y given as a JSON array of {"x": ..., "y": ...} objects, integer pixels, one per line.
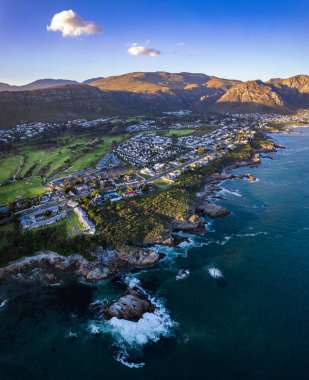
[
  {"x": 3, "y": 303},
  {"x": 182, "y": 274},
  {"x": 94, "y": 329},
  {"x": 252, "y": 234},
  {"x": 122, "y": 357},
  {"x": 72, "y": 335},
  {"x": 132, "y": 281},
  {"x": 148, "y": 329},
  {"x": 130, "y": 337},
  {"x": 215, "y": 273},
  {"x": 226, "y": 191}
]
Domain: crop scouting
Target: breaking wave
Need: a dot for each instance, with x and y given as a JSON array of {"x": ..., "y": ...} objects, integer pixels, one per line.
[
  {"x": 3, "y": 303},
  {"x": 123, "y": 357},
  {"x": 130, "y": 337},
  {"x": 226, "y": 191},
  {"x": 215, "y": 273}
]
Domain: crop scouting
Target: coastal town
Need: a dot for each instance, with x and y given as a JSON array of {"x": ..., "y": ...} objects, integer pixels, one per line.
[{"x": 153, "y": 155}]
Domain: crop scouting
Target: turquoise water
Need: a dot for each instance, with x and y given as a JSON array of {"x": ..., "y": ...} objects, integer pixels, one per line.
[{"x": 254, "y": 325}]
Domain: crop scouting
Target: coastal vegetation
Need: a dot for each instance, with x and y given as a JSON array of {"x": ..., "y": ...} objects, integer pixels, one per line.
[
  {"x": 128, "y": 223},
  {"x": 17, "y": 243}
]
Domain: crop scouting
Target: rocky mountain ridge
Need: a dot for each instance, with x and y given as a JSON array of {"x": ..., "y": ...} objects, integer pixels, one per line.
[{"x": 154, "y": 92}]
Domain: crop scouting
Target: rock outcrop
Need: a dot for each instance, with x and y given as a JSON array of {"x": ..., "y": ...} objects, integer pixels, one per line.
[
  {"x": 211, "y": 210},
  {"x": 132, "y": 257},
  {"x": 51, "y": 268},
  {"x": 250, "y": 177},
  {"x": 131, "y": 306},
  {"x": 193, "y": 224}
]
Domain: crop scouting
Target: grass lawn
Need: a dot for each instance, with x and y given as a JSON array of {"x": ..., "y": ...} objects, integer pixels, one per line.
[
  {"x": 29, "y": 187},
  {"x": 162, "y": 183},
  {"x": 92, "y": 157},
  {"x": 10, "y": 227},
  {"x": 135, "y": 119},
  {"x": 76, "y": 220},
  {"x": 179, "y": 132},
  {"x": 70, "y": 227},
  {"x": 52, "y": 159},
  {"x": 82, "y": 151},
  {"x": 9, "y": 166}
]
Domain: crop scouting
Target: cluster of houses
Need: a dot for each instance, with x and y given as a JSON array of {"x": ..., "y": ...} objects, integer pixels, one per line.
[
  {"x": 302, "y": 117},
  {"x": 226, "y": 137},
  {"x": 29, "y": 130},
  {"x": 154, "y": 156},
  {"x": 146, "y": 148},
  {"x": 42, "y": 217},
  {"x": 109, "y": 160},
  {"x": 26, "y": 131},
  {"x": 145, "y": 125}
]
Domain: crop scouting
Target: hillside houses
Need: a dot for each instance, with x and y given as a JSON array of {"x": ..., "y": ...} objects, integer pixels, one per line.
[{"x": 143, "y": 149}]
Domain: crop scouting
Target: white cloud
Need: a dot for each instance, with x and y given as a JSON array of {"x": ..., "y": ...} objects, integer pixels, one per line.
[
  {"x": 71, "y": 25},
  {"x": 136, "y": 49},
  {"x": 181, "y": 44}
]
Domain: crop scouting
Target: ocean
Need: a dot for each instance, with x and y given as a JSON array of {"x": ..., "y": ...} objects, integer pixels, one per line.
[{"x": 250, "y": 323}]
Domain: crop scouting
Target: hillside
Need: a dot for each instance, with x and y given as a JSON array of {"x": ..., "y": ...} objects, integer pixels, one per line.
[
  {"x": 161, "y": 81},
  {"x": 36, "y": 85},
  {"x": 53, "y": 104},
  {"x": 250, "y": 97},
  {"x": 153, "y": 92},
  {"x": 294, "y": 90}
]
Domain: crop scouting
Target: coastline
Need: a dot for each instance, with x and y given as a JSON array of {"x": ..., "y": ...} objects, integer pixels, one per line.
[{"x": 56, "y": 269}]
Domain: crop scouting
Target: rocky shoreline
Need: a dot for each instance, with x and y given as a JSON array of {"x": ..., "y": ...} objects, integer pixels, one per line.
[{"x": 51, "y": 269}]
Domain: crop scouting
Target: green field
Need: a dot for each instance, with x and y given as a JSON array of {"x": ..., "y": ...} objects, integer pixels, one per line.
[
  {"x": 76, "y": 220},
  {"x": 9, "y": 166},
  {"x": 29, "y": 187},
  {"x": 71, "y": 154},
  {"x": 92, "y": 157},
  {"x": 75, "y": 155},
  {"x": 162, "y": 183},
  {"x": 179, "y": 132}
]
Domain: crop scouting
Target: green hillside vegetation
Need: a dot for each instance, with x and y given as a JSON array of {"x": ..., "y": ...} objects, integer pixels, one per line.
[
  {"x": 57, "y": 237},
  {"x": 136, "y": 220}
]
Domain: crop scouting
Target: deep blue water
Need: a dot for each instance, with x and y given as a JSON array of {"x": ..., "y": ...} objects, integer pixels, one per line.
[{"x": 254, "y": 326}]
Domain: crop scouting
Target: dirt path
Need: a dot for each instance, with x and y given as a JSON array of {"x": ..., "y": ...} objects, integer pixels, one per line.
[{"x": 19, "y": 168}]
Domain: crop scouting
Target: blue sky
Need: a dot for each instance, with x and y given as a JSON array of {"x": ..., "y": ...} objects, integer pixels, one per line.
[{"x": 229, "y": 38}]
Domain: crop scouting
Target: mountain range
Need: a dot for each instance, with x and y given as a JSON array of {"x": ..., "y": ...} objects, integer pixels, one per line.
[{"x": 148, "y": 92}]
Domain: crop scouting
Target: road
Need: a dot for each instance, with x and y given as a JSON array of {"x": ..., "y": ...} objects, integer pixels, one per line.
[{"x": 149, "y": 180}]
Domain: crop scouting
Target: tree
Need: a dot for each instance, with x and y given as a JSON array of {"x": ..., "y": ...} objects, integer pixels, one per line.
[
  {"x": 200, "y": 150},
  {"x": 11, "y": 208}
]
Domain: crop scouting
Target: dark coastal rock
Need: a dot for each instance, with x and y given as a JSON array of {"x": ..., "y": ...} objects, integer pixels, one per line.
[
  {"x": 51, "y": 269},
  {"x": 250, "y": 177},
  {"x": 131, "y": 306},
  {"x": 206, "y": 208},
  {"x": 129, "y": 257},
  {"x": 163, "y": 240},
  {"x": 192, "y": 224},
  {"x": 279, "y": 146},
  {"x": 269, "y": 157},
  {"x": 180, "y": 239}
]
